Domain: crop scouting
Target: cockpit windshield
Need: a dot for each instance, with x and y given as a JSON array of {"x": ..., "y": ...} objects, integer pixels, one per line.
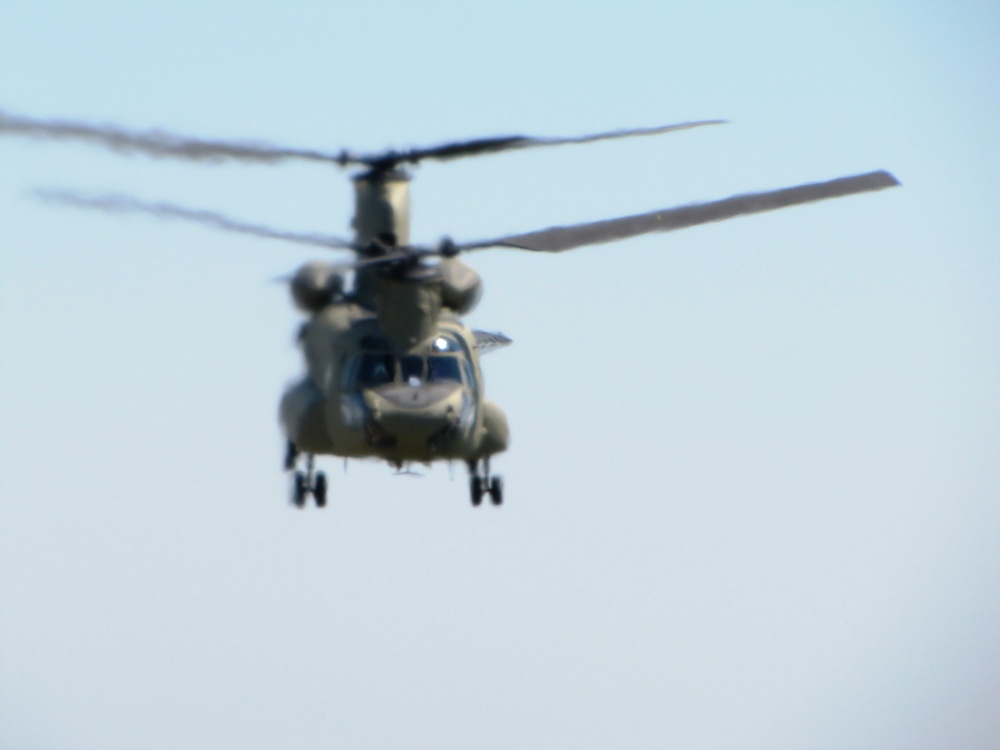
[
  {"x": 441, "y": 369},
  {"x": 377, "y": 368},
  {"x": 411, "y": 369}
]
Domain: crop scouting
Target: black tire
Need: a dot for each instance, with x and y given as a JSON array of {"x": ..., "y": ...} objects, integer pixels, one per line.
[
  {"x": 496, "y": 490},
  {"x": 476, "y": 489},
  {"x": 291, "y": 454},
  {"x": 299, "y": 490},
  {"x": 319, "y": 491}
]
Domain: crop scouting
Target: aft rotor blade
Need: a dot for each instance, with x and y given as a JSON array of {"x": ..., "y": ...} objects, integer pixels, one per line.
[
  {"x": 158, "y": 142},
  {"x": 127, "y": 204},
  {"x": 481, "y": 146},
  {"x": 555, "y": 239}
]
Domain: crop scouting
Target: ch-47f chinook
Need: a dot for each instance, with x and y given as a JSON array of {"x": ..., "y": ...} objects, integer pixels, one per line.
[{"x": 391, "y": 372}]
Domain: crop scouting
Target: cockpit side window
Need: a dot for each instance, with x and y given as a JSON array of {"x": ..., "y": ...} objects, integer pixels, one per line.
[
  {"x": 470, "y": 377},
  {"x": 441, "y": 368},
  {"x": 375, "y": 369}
]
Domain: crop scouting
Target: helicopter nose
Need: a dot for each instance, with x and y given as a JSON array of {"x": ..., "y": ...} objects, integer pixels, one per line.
[
  {"x": 416, "y": 398},
  {"x": 415, "y": 418}
]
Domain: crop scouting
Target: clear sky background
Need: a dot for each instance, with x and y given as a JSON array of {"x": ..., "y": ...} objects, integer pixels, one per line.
[{"x": 753, "y": 489}]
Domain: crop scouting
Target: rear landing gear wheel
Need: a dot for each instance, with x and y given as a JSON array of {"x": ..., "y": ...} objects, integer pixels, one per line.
[
  {"x": 496, "y": 490},
  {"x": 477, "y": 489},
  {"x": 482, "y": 483},
  {"x": 319, "y": 490},
  {"x": 308, "y": 482}
]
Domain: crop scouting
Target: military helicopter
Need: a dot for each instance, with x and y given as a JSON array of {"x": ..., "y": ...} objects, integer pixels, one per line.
[{"x": 391, "y": 371}]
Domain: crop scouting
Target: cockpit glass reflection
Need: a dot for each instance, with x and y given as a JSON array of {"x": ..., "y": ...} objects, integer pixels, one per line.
[{"x": 445, "y": 344}]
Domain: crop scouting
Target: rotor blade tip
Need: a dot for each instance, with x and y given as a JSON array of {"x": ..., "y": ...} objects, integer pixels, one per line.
[{"x": 883, "y": 178}]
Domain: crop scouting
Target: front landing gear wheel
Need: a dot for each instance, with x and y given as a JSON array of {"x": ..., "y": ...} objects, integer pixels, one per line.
[
  {"x": 496, "y": 490},
  {"x": 319, "y": 490},
  {"x": 478, "y": 489},
  {"x": 300, "y": 490}
]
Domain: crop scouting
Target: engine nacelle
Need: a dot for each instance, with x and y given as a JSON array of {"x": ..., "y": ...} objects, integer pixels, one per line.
[
  {"x": 461, "y": 287},
  {"x": 315, "y": 285}
]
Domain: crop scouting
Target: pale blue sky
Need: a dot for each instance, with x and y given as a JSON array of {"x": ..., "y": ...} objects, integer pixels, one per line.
[{"x": 753, "y": 485}]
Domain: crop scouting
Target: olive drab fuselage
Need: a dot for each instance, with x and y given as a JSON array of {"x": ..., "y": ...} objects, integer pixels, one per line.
[
  {"x": 391, "y": 372},
  {"x": 401, "y": 399}
]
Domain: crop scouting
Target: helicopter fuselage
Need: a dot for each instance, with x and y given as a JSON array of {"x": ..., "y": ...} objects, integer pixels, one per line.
[{"x": 401, "y": 382}]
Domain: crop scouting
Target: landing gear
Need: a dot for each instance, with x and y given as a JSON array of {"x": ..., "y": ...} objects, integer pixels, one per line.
[
  {"x": 291, "y": 455},
  {"x": 481, "y": 483},
  {"x": 305, "y": 483},
  {"x": 496, "y": 490},
  {"x": 477, "y": 487},
  {"x": 300, "y": 490},
  {"x": 319, "y": 490}
]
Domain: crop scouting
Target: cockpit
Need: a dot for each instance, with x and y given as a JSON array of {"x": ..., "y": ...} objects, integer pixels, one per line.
[{"x": 376, "y": 365}]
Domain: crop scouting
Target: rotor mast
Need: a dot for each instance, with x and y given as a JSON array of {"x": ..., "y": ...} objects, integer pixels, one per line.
[
  {"x": 382, "y": 207},
  {"x": 381, "y": 218}
]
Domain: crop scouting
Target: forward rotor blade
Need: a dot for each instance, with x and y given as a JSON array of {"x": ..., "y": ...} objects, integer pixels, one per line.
[
  {"x": 555, "y": 239},
  {"x": 480, "y": 146},
  {"x": 158, "y": 143},
  {"x": 126, "y": 204}
]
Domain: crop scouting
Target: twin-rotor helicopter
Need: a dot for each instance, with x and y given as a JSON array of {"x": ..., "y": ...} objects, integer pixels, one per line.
[{"x": 391, "y": 371}]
